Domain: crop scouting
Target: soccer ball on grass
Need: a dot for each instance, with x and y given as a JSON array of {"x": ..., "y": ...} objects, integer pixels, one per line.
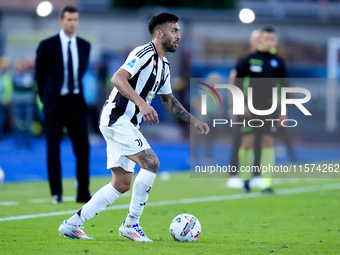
[{"x": 185, "y": 228}]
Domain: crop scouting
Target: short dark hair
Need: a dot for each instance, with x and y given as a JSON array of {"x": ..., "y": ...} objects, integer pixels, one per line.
[
  {"x": 160, "y": 19},
  {"x": 67, "y": 8},
  {"x": 268, "y": 30}
]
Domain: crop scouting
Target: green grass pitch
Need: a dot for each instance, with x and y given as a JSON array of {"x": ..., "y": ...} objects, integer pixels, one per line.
[{"x": 302, "y": 218}]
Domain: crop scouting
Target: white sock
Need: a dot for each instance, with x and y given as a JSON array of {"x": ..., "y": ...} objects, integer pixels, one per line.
[
  {"x": 100, "y": 200},
  {"x": 140, "y": 194}
]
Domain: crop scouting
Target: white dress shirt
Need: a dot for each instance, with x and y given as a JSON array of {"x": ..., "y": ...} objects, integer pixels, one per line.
[{"x": 64, "y": 39}]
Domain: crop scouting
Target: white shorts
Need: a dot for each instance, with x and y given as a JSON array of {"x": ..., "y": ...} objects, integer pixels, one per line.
[{"x": 123, "y": 139}]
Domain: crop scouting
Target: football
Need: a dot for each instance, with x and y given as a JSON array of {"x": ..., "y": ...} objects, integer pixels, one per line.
[{"x": 185, "y": 228}]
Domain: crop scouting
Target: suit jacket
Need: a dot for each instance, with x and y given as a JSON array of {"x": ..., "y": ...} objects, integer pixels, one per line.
[{"x": 49, "y": 70}]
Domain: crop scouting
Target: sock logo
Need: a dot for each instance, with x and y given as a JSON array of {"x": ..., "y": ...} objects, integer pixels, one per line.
[
  {"x": 140, "y": 143},
  {"x": 143, "y": 204},
  {"x": 148, "y": 191},
  {"x": 79, "y": 212}
]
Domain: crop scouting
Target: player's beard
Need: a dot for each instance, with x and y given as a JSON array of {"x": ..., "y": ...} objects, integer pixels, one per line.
[{"x": 167, "y": 45}]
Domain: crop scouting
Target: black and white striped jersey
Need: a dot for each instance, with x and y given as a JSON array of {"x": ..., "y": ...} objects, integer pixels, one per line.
[{"x": 150, "y": 75}]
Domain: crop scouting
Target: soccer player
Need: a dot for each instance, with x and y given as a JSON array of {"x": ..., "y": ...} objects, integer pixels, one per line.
[
  {"x": 264, "y": 63},
  {"x": 145, "y": 73}
]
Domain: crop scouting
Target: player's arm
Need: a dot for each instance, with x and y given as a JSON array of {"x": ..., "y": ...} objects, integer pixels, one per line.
[
  {"x": 177, "y": 109},
  {"x": 120, "y": 81},
  {"x": 241, "y": 71},
  {"x": 42, "y": 64}
]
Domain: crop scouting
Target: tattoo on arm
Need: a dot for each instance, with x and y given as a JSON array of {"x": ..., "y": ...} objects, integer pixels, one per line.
[{"x": 175, "y": 107}]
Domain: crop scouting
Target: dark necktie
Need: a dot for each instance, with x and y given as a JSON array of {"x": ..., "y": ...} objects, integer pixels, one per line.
[{"x": 70, "y": 69}]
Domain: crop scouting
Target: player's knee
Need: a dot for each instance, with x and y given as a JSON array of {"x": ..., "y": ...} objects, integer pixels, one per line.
[
  {"x": 247, "y": 146},
  {"x": 122, "y": 187},
  {"x": 267, "y": 141},
  {"x": 125, "y": 187}
]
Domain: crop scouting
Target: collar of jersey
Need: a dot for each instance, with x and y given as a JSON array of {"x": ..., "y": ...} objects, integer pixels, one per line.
[
  {"x": 154, "y": 48},
  {"x": 272, "y": 50}
]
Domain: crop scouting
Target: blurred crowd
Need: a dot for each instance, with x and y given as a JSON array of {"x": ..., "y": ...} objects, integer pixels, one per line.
[{"x": 20, "y": 107}]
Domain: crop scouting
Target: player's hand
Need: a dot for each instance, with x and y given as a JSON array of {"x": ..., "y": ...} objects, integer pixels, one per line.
[
  {"x": 149, "y": 114},
  {"x": 202, "y": 127}
]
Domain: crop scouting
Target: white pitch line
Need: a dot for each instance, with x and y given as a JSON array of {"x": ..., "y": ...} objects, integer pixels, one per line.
[
  {"x": 70, "y": 198},
  {"x": 44, "y": 200},
  {"x": 280, "y": 192},
  {"x": 8, "y": 203}
]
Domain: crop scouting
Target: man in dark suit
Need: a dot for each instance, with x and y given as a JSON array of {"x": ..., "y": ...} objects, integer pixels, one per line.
[{"x": 61, "y": 62}]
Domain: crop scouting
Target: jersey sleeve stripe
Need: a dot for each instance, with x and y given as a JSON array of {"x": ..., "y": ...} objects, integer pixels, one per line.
[
  {"x": 141, "y": 52},
  {"x": 144, "y": 49},
  {"x": 142, "y": 55}
]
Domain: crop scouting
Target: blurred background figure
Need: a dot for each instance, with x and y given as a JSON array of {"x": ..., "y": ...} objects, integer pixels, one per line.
[
  {"x": 6, "y": 90},
  {"x": 250, "y": 71},
  {"x": 60, "y": 66},
  {"x": 23, "y": 101},
  {"x": 235, "y": 181}
]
